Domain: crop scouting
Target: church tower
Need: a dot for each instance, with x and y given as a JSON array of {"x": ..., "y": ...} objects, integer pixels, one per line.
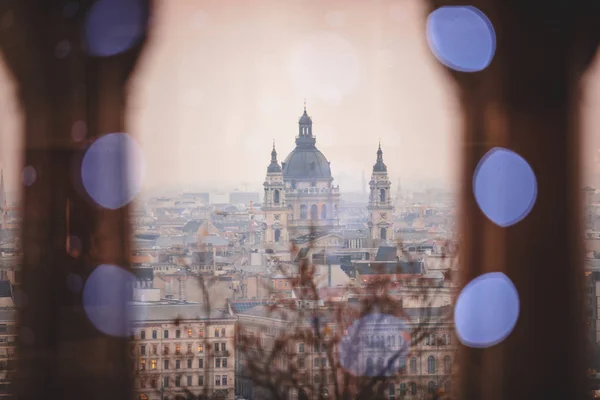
[
  {"x": 381, "y": 208},
  {"x": 274, "y": 205}
]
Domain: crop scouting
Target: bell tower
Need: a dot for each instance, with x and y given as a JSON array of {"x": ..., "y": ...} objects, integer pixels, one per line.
[
  {"x": 274, "y": 204},
  {"x": 381, "y": 208}
]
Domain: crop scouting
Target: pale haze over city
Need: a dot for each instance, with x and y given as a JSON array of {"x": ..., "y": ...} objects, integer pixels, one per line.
[{"x": 364, "y": 71}]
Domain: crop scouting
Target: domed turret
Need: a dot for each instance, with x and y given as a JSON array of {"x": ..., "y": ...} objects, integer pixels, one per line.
[
  {"x": 379, "y": 165},
  {"x": 274, "y": 166}
]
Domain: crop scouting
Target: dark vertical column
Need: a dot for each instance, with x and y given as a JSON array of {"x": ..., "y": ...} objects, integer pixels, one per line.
[
  {"x": 527, "y": 100},
  {"x": 58, "y": 84}
]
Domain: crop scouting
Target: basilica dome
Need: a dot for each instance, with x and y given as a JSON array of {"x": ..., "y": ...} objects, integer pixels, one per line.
[{"x": 306, "y": 162}]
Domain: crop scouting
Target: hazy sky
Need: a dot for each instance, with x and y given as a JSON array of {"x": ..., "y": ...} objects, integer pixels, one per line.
[{"x": 221, "y": 80}]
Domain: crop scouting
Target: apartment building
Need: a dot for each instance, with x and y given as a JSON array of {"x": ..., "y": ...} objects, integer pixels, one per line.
[
  {"x": 178, "y": 349},
  {"x": 425, "y": 368},
  {"x": 8, "y": 343}
]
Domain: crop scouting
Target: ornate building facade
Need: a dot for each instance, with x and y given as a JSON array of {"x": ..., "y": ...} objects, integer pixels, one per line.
[
  {"x": 300, "y": 194},
  {"x": 381, "y": 208}
]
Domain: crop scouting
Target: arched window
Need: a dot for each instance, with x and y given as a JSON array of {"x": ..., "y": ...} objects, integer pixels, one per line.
[
  {"x": 324, "y": 211},
  {"x": 413, "y": 365},
  {"x": 276, "y": 197},
  {"x": 303, "y": 209},
  {"x": 382, "y": 195},
  {"x": 413, "y": 388},
  {"x": 380, "y": 366},
  {"x": 370, "y": 367},
  {"x": 431, "y": 387},
  {"x": 383, "y": 234},
  {"x": 447, "y": 365},
  {"x": 431, "y": 365},
  {"x": 277, "y": 235},
  {"x": 314, "y": 212}
]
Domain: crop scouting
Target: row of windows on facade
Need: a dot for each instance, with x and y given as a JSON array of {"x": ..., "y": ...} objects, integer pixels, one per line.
[
  {"x": 217, "y": 333},
  {"x": 219, "y": 363},
  {"x": 220, "y": 380},
  {"x": 219, "y": 347},
  {"x": 390, "y": 340},
  {"x": 412, "y": 389}
]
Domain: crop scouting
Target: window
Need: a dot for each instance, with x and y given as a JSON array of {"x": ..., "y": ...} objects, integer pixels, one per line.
[
  {"x": 224, "y": 363},
  {"x": 382, "y": 195},
  {"x": 447, "y": 365},
  {"x": 154, "y": 381},
  {"x": 154, "y": 334},
  {"x": 301, "y": 348},
  {"x": 323, "y": 211},
  {"x": 316, "y": 347},
  {"x": 189, "y": 380},
  {"x": 223, "y": 346},
  {"x": 224, "y": 380},
  {"x": 403, "y": 389},
  {"x": 177, "y": 381},
  {"x": 433, "y": 340},
  {"x": 413, "y": 388},
  {"x": 427, "y": 340},
  {"x": 177, "y": 364},
  {"x": 166, "y": 334},
  {"x": 189, "y": 348},
  {"x": 276, "y": 197},
  {"x": 200, "y": 348},
  {"x": 166, "y": 381},
  {"x": 166, "y": 350},
  {"x": 217, "y": 363},
  {"x": 222, "y": 332},
  {"x": 143, "y": 335},
  {"x": 447, "y": 387},
  {"x": 142, "y": 365},
  {"x": 323, "y": 348},
  {"x": 216, "y": 332},
  {"x": 200, "y": 380},
  {"x": 431, "y": 364},
  {"x": 154, "y": 349},
  {"x": 200, "y": 363},
  {"x": 444, "y": 339},
  {"x": 317, "y": 378},
  {"x": 177, "y": 334},
  {"x": 301, "y": 363},
  {"x": 449, "y": 339},
  {"x": 166, "y": 364},
  {"x": 143, "y": 350},
  {"x": 380, "y": 365},
  {"x": 189, "y": 363},
  {"x": 303, "y": 210},
  {"x": 431, "y": 387},
  {"x": 314, "y": 212},
  {"x": 201, "y": 332},
  {"x": 316, "y": 362},
  {"x": 217, "y": 380},
  {"x": 323, "y": 362},
  {"x": 177, "y": 349},
  {"x": 413, "y": 365},
  {"x": 370, "y": 367},
  {"x": 189, "y": 332},
  {"x": 153, "y": 364},
  {"x": 383, "y": 233},
  {"x": 392, "y": 389}
]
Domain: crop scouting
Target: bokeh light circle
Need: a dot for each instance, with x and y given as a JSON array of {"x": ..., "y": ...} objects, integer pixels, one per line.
[
  {"x": 504, "y": 186},
  {"x": 105, "y": 296},
  {"x": 375, "y": 345},
  {"x": 29, "y": 175},
  {"x": 461, "y": 37},
  {"x": 486, "y": 310},
  {"x": 112, "y": 170},
  {"x": 324, "y": 65},
  {"x": 114, "y": 26}
]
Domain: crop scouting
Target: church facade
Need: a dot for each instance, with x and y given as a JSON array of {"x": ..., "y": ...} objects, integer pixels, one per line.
[
  {"x": 300, "y": 197},
  {"x": 299, "y": 194}
]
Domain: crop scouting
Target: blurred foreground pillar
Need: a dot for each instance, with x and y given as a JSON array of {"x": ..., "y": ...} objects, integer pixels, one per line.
[
  {"x": 527, "y": 100},
  {"x": 68, "y": 99}
]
